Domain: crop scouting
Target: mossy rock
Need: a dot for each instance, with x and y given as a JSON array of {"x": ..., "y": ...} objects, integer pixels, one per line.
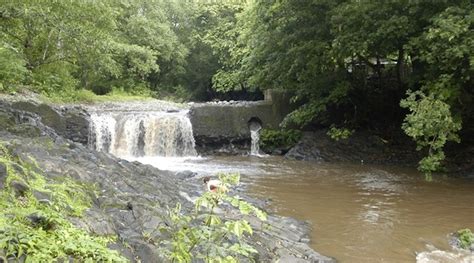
[
  {"x": 25, "y": 130},
  {"x": 3, "y": 176},
  {"x": 48, "y": 115},
  {"x": 8, "y": 124}
]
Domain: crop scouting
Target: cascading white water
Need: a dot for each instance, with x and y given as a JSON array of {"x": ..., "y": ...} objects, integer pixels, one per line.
[
  {"x": 255, "y": 128},
  {"x": 137, "y": 134}
]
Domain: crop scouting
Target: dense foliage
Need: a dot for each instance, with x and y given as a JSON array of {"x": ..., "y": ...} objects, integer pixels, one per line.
[
  {"x": 352, "y": 64},
  {"x": 34, "y": 225},
  {"x": 165, "y": 46},
  {"x": 271, "y": 140}
]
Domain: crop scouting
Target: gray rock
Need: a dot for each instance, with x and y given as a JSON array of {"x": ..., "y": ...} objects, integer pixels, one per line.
[
  {"x": 148, "y": 253},
  {"x": 77, "y": 122},
  {"x": 360, "y": 147},
  {"x": 185, "y": 174},
  {"x": 6, "y": 120},
  {"x": 48, "y": 115},
  {"x": 19, "y": 188},
  {"x": 123, "y": 250},
  {"x": 287, "y": 258},
  {"x": 130, "y": 235},
  {"x": 43, "y": 197},
  {"x": 3, "y": 175},
  {"x": 305, "y": 240},
  {"x": 37, "y": 220},
  {"x": 98, "y": 223},
  {"x": 455, "y": 241},
  {"x": 24, "y": 121}
]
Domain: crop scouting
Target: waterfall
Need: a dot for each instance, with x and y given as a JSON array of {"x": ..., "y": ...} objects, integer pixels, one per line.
[
  {"x": 255, "y": 128},
  {"x": 137, "y": 134}
]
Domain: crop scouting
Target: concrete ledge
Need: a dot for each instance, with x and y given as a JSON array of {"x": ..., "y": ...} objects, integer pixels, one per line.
[
  {"x": 228, "y": 122},
  {"x": 231, "y": 121}
]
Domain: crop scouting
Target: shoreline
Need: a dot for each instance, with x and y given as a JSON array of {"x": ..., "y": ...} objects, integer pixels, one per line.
[{"x": 132, "y": 197}]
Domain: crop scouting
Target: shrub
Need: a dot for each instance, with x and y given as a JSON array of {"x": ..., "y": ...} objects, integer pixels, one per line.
[
  {"x": 207, "y": 236},
  {"x": 339, "y": 133},
  {"x": 53, "y": 79},
  {"x": 431, "y": 124},
  {"x": 272, "y": 139},
  {"x": 466, "y": 237},
  {"x": 38, "y": 230}
]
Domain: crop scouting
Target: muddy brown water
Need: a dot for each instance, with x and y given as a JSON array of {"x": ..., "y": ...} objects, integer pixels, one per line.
[{"x": 358, "y": 213}]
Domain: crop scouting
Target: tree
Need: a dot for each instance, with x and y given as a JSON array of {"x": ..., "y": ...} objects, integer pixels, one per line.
[
  {"x": 286, "y": 45},
  {"x": 447, "y": 48},
  {"x": 61, "y": 43},
  {"x": 351, "y": 62}
]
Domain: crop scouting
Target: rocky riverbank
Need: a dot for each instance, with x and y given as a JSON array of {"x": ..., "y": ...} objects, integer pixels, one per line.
[
  {"x": 367, "y": 148},
  {"x": 131, "y": 198},
  {"x": 360, "y": 147}
]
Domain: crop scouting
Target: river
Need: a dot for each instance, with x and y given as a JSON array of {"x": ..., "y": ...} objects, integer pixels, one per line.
[{"x": 358, "y": 213}]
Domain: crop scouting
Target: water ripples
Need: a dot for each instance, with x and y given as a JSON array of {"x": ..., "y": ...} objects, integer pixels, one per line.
[{"x": 359, "y": 213}]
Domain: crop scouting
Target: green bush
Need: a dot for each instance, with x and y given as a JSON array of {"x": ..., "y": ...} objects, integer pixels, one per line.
[
  {"x": 71, "y": 96},
  {"x": 339, "y": 133},
  {"x": 141, "y": 90},
  {"x": 431, "y": 124},
  {"x": 272, "y": 139},
  {"x": 206, "y": 235},
  {"x": 38, "y": 230},
  {"x": 54, "y": 79}
]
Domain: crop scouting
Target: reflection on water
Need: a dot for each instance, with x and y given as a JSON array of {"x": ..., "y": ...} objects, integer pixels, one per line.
[{"x": 359, "y": 213}]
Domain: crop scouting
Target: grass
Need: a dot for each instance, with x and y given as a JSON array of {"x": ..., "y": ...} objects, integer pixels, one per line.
[
  {"x": 466, "y": 237},
  {"x": 74, "y": 95},
  {"x": 87, "y": 96},
  {"x": 34, "y": 230}
]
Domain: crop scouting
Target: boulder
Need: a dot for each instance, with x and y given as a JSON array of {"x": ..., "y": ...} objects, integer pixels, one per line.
[
  {"x": 43, "y": 197},
  {"x": 37, "y": 220},
  {"x": 77, "y": 124},
  {"x": 19, "y": 188}
]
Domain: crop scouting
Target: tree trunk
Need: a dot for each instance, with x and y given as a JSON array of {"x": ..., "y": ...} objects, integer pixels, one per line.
[{"x": 400, "y": 68}]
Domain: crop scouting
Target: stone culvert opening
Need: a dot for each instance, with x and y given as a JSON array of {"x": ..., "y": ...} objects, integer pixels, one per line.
[{"x": 254, "y": 122}]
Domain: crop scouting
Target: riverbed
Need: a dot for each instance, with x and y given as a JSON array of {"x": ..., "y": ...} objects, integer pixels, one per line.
[{"x": 358, "y": 213}]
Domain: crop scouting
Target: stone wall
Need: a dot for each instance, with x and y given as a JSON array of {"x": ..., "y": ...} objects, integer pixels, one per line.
[
  {"x": 216, "y": 125},
  {"x": 219, "y": 123}
]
